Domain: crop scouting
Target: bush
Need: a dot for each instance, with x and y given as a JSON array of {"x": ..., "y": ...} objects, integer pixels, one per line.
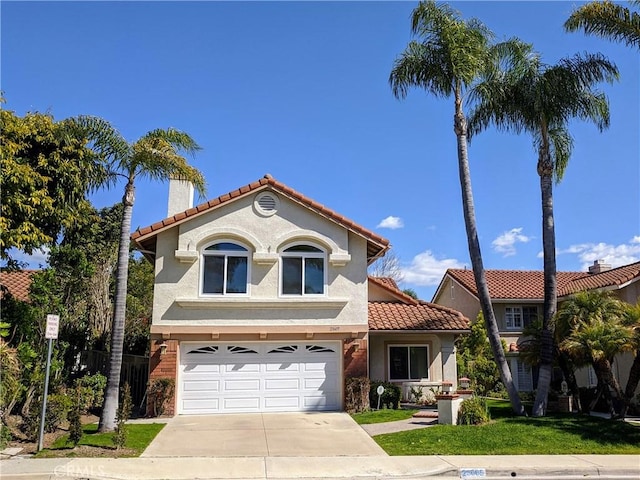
[
  {"x": 357, "y": 394},
  {"x": 473, "y": 411},
  {"x": 75, "y": 424},
  {"x": 122, "y": 415},
  {"x": 91, "y": 391},
  {"x": 158, "y": 392},
  {"x": 389, "y": 399},
  {"x": 58, "y": 406}
]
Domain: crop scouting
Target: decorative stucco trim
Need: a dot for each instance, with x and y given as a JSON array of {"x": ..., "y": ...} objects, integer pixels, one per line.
[
  {"x": 265, "y": 258},
  {"x": 185, "y": 241},
  {"x": 339, "y": 259},
  {"x": 186, "y": 256},
  {"x": 341, "y": 256},
  {"x": 247, "y": 303}
]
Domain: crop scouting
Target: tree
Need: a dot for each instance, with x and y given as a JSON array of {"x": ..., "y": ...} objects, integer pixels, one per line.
[
  {"x": 387, "y": 266},
  {"x": 46, "y": 171},
  {"x": 631, "y": 319},
  {"x": 449, "y": 57},
  {"x": 608, "y": 20},
  {"x": 156, "y": 155},
  {"x": 541, "y": 100},
  {"x": 597, "y": 334}
]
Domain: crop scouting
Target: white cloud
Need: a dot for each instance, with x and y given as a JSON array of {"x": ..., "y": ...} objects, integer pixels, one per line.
[
  {"x": 506, "y": 243},
  {"x": 427, "y": 270},
  {"x": 615, "y": 255},
  {"x": 39, "y": 258},
  {"x": 391, "y": 222}
]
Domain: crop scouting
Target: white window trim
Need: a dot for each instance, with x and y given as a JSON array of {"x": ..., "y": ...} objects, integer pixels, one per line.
[
  {"x": 407, "y": 345},
  {"x": 226, "y": 253},
  {"x": 322, "y": 254},
  {"x": 506, "y": 315}
]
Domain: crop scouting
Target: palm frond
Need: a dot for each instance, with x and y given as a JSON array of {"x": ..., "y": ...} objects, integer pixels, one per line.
[
  {"x": 607, "y": 20},
  {"x": 561, "y": 145}
]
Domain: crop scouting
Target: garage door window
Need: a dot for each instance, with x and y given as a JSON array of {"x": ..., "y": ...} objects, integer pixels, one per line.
[
  {"x": 302, "y": 270},
  {"x": 408, "y": 362},
  {"x": 224, "y": 269}
]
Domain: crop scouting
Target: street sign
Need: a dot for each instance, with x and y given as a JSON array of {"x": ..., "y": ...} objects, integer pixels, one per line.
[
  {"x": 380, "y": 390},
  {"x": 53, "y": 322}
]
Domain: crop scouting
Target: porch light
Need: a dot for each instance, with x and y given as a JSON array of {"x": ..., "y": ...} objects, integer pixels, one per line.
[
  {"x": 163, "y": 347},
  {"x": 464, "y": 383},
  {"x": 447, "y": 387}
]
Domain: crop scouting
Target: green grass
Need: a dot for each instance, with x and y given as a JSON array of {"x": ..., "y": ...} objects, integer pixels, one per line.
[
  {"x": 385, "y": 415},
  {"x": 139, "y": 436},
  {"x": 508, "y": 435}
]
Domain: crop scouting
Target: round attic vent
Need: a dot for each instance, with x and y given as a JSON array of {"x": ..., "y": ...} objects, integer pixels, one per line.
[{"x": 266, "y": 203}]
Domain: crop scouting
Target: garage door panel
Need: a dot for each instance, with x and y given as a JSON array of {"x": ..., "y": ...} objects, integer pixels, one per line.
[{"x": 259, "y": 377}]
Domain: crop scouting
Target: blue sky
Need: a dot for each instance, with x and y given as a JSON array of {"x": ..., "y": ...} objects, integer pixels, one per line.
[{"x": 300, "y": 90}]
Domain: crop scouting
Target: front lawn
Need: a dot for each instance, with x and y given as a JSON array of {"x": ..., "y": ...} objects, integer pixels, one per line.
[
  {"x": 94, "y": 444},
  {"x": 508, "y": 435},
  {"x": 384, "y": 415}
]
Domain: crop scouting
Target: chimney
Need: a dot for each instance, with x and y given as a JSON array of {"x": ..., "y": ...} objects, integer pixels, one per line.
[
  {"x": 180, "y": 196},
  {"x": 599, "y": 266}
]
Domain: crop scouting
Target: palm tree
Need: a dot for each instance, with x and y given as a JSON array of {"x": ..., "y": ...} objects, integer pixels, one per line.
[
  {"x": 608, "y": 20},
  {"x": 596, "y": 336},
  {"x": 446, "y": 61},
  {"x": 631, "y": 319},
  {"x": 541, "y": 100},
  {"x": 156, "y": 155}
]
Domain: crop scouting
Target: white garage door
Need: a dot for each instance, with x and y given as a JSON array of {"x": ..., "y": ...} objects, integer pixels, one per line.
[{"x": 259, "y": 377}]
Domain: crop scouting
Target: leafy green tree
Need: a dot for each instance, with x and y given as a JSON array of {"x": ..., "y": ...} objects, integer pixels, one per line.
[
  {"x": 541, "y": 100},
  {"x": 46, "y": 170},
  {"x": 139, "y": 306},
  {"x": 631, "y": 319},
  {"x": 156, "y": 155},
  {"x": 597, "y": 335},
  {"x": 448, "y": 58},
  {"x": 609, "y": 20}
]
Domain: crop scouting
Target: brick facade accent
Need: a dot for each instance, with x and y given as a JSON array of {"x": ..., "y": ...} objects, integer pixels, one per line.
[
  {"x": 164, "y": 366},
  {"x": 355, "y": 358}
]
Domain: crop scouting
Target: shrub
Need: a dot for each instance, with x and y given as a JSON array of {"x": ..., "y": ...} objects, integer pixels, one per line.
[
  {"x": 58, "y": 406},
  {"x": 473, "y": 411},
  {"x": 91, "y": 391},
  {"x": 122, "y": 415},
  {"x": 75, "y": 425},
  {"x": 389, "y": 399},
  {"x": 158, "y": 392},
  {"x": 357, "y": 394}
]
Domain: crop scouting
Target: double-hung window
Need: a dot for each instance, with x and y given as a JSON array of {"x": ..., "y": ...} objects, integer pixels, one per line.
[
  {"x": 516, "y": 318},
  {"x": 302, "y": 270},
  {"x": 408, "y": 362},
  {"x": 224, "y": 269}
]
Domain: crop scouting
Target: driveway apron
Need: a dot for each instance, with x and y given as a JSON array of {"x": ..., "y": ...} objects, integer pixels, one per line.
[{"x": 263, "y": 435}]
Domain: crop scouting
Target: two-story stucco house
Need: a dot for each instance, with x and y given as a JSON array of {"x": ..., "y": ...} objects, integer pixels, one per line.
[
  {"x": 517, "y": 297},
  {"x": 261, "y": 304}
]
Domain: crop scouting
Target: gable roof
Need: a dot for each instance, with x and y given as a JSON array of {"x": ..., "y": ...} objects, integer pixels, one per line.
[
  {"x": 145, "y": 237},
  {"x": 529, "y": 284},
  {"x": 17, "y": 282},
  {"x": 407, "y": 313}
]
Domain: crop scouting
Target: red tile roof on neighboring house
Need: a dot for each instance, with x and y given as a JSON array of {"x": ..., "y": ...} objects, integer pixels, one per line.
[
  {"x": 17, "y": 282},
  {"x": 376, "y": 244},
  {"x": 616, "y": 277},
  {"x": 407, "y": 313},
  {"x": 529, "y": 285}
]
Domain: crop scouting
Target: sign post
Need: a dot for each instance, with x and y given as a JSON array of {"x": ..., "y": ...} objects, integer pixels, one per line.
[
  {"x": 379, "y": 391},
  {"x": 51, "y": 333}
]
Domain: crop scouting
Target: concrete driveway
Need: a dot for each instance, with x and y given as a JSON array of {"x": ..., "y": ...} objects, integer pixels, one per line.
[{"x": 263, "y": 435}]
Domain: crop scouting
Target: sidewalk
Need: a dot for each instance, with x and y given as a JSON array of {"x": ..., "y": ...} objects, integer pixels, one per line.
[{"x": 262, "y": 468}]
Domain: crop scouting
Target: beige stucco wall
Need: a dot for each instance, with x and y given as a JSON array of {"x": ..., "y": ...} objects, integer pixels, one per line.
[
  {"x": 345, "y": 302},
  {"x": 453, "y": 295},
  {"x": 441, "y": 354}
]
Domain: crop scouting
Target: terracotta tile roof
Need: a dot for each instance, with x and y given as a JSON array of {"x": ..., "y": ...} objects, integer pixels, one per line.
[
  {"x": 390, "y": 285},
  {"x": 615, "y": 277},
  {"x": 375, "y": 243},
  {"x": 529, "y": 285},
  {"x": 421, "y": 316},
  {"x": 18, "y": 283}
]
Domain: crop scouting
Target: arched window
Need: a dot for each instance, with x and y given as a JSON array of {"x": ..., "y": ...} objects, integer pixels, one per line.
[
  {"x": 302, "y": 270},
  {"x": 224, "y": 269}
]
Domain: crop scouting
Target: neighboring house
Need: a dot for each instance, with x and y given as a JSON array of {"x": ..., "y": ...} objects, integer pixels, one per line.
[
  {"x": 16, "y": 283},
  {"x": 518, "y": 296},
  {"x": 261, "y": 304}
]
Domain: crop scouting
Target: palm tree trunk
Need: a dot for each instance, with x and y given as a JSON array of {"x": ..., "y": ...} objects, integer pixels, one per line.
[
  {"x": 545, "y": 170},
  {"x": 570, "y": 376},
  {"x": 460, "y": 127},
  {"x": 604, "y": 373},
  {"x": 632, "y": 383},
  {"x": 111, "y": 393}
]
